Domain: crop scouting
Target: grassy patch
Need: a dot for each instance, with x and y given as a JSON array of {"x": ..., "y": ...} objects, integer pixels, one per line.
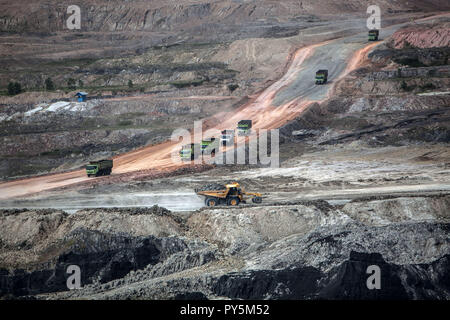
[
  {"x": 58, "y": 153},
  {"x": 125, "y": 123},
  {"x": 405, "y": 87},
  {"x": 68, "y": 63},
  {"x": 411, "y": 62},
  {"x": 187, "y": 83}
]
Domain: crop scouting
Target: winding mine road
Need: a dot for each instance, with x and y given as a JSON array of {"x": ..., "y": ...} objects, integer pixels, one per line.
[{"x": 278, "y": 104}]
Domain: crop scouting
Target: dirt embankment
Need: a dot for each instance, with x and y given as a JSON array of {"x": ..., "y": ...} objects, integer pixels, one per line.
[
  {"x": 158, "y": 15},
  {"x": 422, "y": 36},
  {"x": 131, "y": 253}
]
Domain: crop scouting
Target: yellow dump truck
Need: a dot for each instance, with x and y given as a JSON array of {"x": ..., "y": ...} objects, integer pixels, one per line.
[{"x": 232, "y": 194}]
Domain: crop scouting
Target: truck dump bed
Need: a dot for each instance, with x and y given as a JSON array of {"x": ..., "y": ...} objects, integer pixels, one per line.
[
  {"x": 102, "y": 164},
  {"x": 246, "y": 124},
  {"x": 99, "y": 168}
]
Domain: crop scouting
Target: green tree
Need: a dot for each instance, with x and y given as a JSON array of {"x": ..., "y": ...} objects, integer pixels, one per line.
[
  {"x": 130, "y": 84},
  {"x": 80, "y": 83},
  {"x": 11, "y": 89},
  {"x": 14, "y": 88},
  {"x": 71, "y": 83},
  {"x": 18, "y": 87},
  {"x": 232, "y": 87},
  {"x": 49, "y": 85}
]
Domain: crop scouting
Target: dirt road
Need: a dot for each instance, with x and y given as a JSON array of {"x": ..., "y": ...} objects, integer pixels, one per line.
[
  {"x": 273, "y": 107},
  {"x": 187, "y": 200}
]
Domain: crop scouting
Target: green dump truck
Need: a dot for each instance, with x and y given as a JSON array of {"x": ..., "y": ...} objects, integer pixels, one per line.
[
  {"x": 373, "y": 35},
  {"x": 190, "y": 152},
  {"x": 244, "y": 127},
  {"x": 210, "y": 146},
  {"x": 321, "y": 76},
  {"x": 99, "y": 168}
]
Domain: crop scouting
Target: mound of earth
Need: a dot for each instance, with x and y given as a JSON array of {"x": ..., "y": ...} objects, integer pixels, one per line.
[
  {"x": 422, "y": 36},
  {"x": 307, "y": 250}
]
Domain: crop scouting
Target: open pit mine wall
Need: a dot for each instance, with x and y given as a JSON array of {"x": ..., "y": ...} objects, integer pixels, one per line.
[
  {"x": 107, "y": 259},
  {"x": 101, "y": 15},
  {"x": 303, "y": 256}
]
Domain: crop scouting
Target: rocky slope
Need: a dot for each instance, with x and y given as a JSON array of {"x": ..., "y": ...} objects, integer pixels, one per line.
[
  {"x": 303, "y": 250},
  {"x": 138, "y": 15},
  {"x": 171, "y": 52},
  {"x": 422, "y": 36},
  {"x": 385, "y": 127}
]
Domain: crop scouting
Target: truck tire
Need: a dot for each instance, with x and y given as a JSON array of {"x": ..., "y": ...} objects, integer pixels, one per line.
[
  {"x": 256, "y": 199},
  {"x": 211, "y": 202},
  {"x": 233, "y": 201}
]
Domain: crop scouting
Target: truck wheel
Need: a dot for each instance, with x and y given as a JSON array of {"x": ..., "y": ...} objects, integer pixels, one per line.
[
  {"x": 257, "y": 200},
  {"x": 233, "y": 201},
  {"x": 211, "y": 202}
]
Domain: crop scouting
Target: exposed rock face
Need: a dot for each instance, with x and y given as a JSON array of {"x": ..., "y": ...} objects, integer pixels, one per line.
[
  {"x": 422, "y": 36},
  {"x": 398, "y": 210},
  {"x": 346, "y": 281},
  {"x": 411, "y": 73},
  {"x": 102, "y": 253},
  {"x": 141, "y": 15},
  {"x": 101, "y": 257},
  {"x": 330, "y": 263},
  {"x": 309, "y": 250},
  {"x": 413, "y": 57}
]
